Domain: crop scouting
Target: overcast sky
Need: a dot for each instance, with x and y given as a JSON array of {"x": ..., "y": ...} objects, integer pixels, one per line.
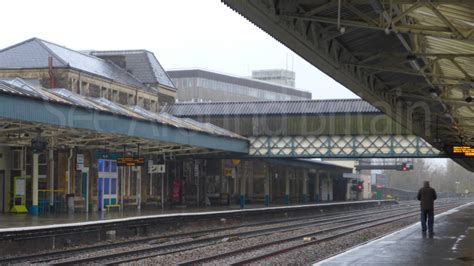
[{"x": 181, "y": 33}]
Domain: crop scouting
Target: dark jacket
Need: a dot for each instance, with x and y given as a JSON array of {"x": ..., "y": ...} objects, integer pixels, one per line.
[{"x": 427, "y": 196}]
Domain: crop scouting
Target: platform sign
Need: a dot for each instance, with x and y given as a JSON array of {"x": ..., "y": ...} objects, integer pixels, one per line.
[
  {"x": 20, "y": 187},
  {"x": 235, "y": 162},
  {"x": 227, "y": 171},
  {"x": 106, "y": 155},
  {"x": 467, "y": 151},
  {"x": 130, "y": 161},
  {"x": 79, "y": 161},
  {"x": 19, "y": 195},
  {"x": 156, "y": 169}
]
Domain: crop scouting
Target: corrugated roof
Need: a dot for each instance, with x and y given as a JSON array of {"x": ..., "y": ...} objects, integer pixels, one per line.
[
  {"x": 34, "y": 53},
  {"x": 141, "y": 63},
  {"x": 101, "y": 104},
  {"x": 271, "y": 108}
]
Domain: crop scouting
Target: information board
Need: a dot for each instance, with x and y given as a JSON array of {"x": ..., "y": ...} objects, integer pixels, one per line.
[
  {"x": 464, "y": 150},
  {"x": 20, "y": 187},
  {"x": 131, "y": 161}
]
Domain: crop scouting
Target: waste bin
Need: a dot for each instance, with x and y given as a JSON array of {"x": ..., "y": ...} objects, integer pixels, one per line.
[{"x": 70, "y": 203}]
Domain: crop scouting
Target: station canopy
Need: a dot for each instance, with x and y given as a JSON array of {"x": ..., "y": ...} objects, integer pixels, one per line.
[
  {"x": 65, "y": 119},
  {"x": 413, "y": 60}
]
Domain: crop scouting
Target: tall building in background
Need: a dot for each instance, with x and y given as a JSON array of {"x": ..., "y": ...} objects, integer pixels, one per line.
[
  {"x": 202, "y": 85},
  {"x": 277, "y": 76}
]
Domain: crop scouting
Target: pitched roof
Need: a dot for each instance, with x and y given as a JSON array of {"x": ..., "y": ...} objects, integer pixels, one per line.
[
  {"x": 34, "y": 53},
  {"x": 271, "y": 108},
  {"x": 142, "y": 64},
  {"x": 21, "y": 88}
]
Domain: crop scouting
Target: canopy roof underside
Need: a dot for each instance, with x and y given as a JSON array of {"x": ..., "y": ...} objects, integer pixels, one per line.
[
  {"x": 413, "y": 60},
  {"x": 66, "y": 120}
]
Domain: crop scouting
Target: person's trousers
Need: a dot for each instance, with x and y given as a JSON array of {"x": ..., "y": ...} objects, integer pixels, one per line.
[{"x": 427, "y": 215}]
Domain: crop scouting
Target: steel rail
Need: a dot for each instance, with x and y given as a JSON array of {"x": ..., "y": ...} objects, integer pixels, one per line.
[
  {"x": 69, "y": 252},
  {"x": 132, "y": 255},
  {"x": 301, "y": 236}
]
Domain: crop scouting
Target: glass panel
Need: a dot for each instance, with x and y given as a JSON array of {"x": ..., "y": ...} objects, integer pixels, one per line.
[
  {"x": 107, "y": 166},
  {"x": 113, "y": 186},
  {"x": 101, "y": 165},
  {"x": 114, "y": 166},
  {"x": 106, "y": 186}
]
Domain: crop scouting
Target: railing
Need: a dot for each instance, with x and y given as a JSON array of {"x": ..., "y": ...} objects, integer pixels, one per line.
[
  {"x": 44, "y": 201},
  {"x": 356, "y": 146}
]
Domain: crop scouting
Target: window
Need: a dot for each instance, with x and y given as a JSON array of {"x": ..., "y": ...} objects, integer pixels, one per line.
[
  {"x": 113, "y": 186},
  {"x": 101, "y": 166},
  {"x": 106, "y": 186},
  {"x": 103, "y": 92},
  {"x": 16, "y": 159},
  {"x": 115, "y": 97}
]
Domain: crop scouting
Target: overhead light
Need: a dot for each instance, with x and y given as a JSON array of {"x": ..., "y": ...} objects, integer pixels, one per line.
[
  {"x": 465, "y": 92},
  {"x": 434, "y": 92},
  {"x": 411, "y": 57},
  {"x": 449, "y": 117}
]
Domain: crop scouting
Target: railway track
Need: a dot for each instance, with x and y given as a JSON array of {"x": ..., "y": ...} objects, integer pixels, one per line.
[
  {"x": 121, "y": 252},
  {"x": 295, "y": 242},
  {"x": 54, "y": 255},
  {"x": 123, "y": 256}
]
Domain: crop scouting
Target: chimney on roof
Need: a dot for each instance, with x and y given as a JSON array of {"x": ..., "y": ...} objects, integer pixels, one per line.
[{"x": 50, "y": 72}]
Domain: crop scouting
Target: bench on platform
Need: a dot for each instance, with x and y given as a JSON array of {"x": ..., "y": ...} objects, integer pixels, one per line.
[{"x": 113, "y": 206}]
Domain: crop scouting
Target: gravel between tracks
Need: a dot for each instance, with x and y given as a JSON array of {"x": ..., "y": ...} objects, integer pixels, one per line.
[{"x": 229, "y": 246}]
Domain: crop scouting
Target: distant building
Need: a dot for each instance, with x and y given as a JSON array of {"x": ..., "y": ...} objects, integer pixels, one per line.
[
  {"x": 125, "y": 77},
  {"x": 204, "y": 85},
  {"x": 277, "y": 76}
]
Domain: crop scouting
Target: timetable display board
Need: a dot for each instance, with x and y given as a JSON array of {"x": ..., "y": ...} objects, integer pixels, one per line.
[
  {"x": 131, "y": 161},
  {"x": 466, "y": 151}
]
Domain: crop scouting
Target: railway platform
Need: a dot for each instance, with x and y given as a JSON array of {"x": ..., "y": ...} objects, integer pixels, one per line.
[
  {"x": 19, "y": 222},
  {"x": 452, "y": 244}
]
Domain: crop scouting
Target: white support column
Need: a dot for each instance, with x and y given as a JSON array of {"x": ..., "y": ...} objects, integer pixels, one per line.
[
  {"x": 287, "y": 186},
  {"x": 139, "y": 187},
  {"x": 329, "y": 196},
  {"x": 266, "y": 185},
  {"x": 35, "y": 184},
  {"x": 316, "y": 188},
  {"x": 243, "y": 183},
  {"x": 305, "y": 185}
]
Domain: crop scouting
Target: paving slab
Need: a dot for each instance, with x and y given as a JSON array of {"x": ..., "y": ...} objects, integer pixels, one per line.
[{"x": 452, "y": 244}]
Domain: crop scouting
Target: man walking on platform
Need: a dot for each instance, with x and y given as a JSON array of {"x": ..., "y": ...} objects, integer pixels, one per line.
[{"x": 427, "y": 196}]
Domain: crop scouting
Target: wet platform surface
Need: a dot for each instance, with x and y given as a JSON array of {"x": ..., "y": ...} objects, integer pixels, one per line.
[
  {"x": 452, "y": 244},
  {"x": 10, "y": 221}
]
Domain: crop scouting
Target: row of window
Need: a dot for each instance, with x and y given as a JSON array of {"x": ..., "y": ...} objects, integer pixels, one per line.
[
  {"x": 113, "y": 95},
  {"x": 232, "y": 88}
]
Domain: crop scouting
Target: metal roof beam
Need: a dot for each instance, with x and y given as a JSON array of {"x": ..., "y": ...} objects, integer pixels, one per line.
[
  {"x": 435, "y": 2},
  {"x": 437, "y": 31}
]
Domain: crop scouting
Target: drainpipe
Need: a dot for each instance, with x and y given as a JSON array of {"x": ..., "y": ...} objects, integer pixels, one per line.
[
  {"x": 51, "y": 177},
  {"x": 69, "y": 172},
  {"x": 34, "y": 207}
]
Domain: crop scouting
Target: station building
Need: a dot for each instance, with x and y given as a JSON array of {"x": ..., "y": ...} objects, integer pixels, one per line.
[
  {"x": 200, "y": 85},
  {"x": 67, "y": 116}
]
